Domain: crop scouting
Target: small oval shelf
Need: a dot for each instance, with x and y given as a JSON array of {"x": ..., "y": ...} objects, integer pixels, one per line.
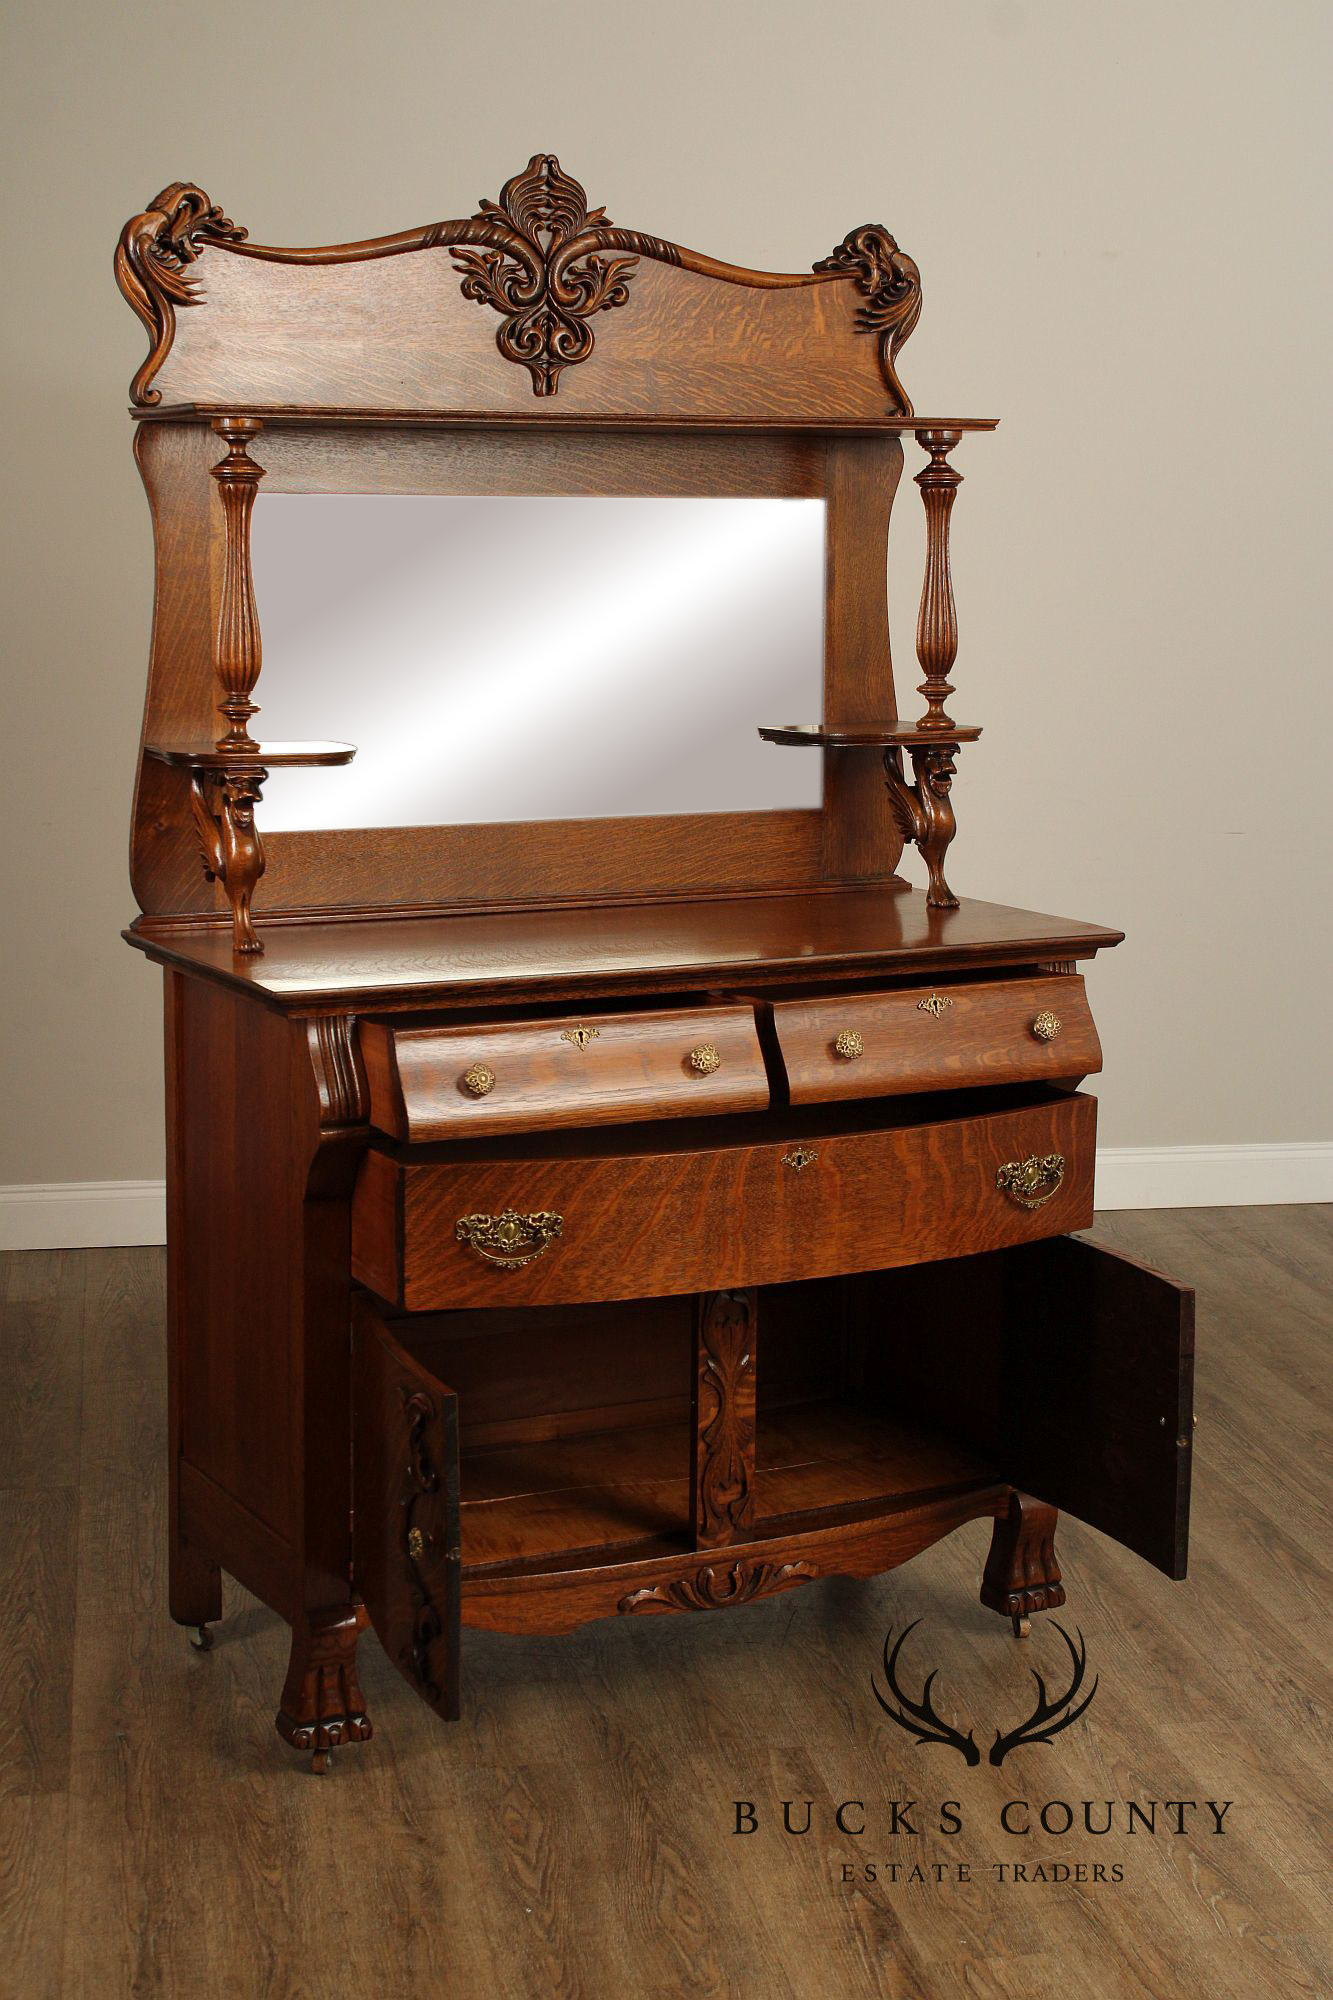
[
  {"x": 268, "y": 756},
  {"x": 866, "y": 736}
]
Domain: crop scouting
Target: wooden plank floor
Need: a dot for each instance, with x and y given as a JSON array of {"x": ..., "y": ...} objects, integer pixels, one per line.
[{"x": 572, "y": 1836}]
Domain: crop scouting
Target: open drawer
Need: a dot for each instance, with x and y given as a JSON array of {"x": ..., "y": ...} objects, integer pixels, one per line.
[
  {"x": 588, "y": 1216},
  {"x": 553, "y": 1484},
  {"x": 439, "y": 1080},
  {"x": 953, "y": 1036}
]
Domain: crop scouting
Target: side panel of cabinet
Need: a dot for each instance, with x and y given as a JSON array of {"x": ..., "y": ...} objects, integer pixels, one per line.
[
  {"x": 405, "y": 1533},
  {"x": 1069, "y": 1363}
]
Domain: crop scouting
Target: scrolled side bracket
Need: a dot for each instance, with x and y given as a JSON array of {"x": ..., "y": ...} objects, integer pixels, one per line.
[
  {"x": 890, "y": 284},
  {"x": 153, "y": 259}
]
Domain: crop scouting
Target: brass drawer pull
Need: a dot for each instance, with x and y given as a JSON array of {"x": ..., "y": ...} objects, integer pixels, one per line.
[
  {"x": 1033, "y": 1181},
  {"x": 510, "y": 1239},
  {"x": 479, "y": 1079},
  {"x": 1047, "y": 1026},
  {"x": 705, "y": 1059},
  {"x": 849, "y": 1045}
]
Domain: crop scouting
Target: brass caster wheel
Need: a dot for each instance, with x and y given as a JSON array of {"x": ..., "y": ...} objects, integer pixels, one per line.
[
  {"x": 320, "y": 1761},
  {"x": 202, "y": 1639},
  {"x": 1022, "y": 1626}
]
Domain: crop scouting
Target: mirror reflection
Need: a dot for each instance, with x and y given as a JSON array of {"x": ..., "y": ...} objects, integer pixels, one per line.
[{"x": 533, "y": 659}]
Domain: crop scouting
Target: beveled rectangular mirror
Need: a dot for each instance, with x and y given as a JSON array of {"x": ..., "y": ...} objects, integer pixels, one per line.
[{"x": 515, "y": 658}]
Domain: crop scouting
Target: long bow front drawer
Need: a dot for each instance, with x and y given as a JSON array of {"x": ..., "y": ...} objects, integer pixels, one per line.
[
  {"x": 564, "y": 1226},
  {"x": 446, "y": 1082},
  {"x": 949, "y": 1037}
]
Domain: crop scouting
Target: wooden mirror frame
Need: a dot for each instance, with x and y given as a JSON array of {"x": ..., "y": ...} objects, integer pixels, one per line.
[{"x": 707, "y": 380}]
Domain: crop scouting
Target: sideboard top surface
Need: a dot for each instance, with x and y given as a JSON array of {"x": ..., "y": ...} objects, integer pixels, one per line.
[{"x": 610, "y": 949}]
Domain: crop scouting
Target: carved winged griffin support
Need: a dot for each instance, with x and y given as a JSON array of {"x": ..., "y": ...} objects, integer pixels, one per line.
[{"x": 924, "y": 811}]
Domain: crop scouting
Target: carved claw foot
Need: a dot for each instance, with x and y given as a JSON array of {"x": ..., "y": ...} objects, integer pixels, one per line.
[
  {"x": 1022, "y": 1575},
  {"x": 322, "y": 1704},
  {"x": 202, "y": 1639}
]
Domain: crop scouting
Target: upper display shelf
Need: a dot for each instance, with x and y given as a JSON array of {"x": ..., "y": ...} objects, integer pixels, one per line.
[
  {"x": 491, "y": 318},
  {"x": 545, "y": 418}
]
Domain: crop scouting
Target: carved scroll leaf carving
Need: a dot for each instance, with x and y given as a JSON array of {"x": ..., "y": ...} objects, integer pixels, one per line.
[
  {"x": 342, "y": 1092},
  {"x": 544, "y": 276},
  {"x": 421, "y": 1481},
  {"x": 724, "y": 1503},
  {"x": 713, "y": 1589},
  {"x": 153, "y": 259},
  {"x": 890, "y": 284}
]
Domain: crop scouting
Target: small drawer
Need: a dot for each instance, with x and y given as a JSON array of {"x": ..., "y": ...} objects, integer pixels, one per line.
[
  {"x": 937, "y": 1038},
  {"x": 559, "y": 1224},
  {"x": 454, "y": 1082}
]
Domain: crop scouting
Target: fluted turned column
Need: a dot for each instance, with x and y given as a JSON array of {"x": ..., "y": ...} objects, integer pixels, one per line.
[
  {"x": 937, "y": 621},
  {"x": 237, "y": 653}
]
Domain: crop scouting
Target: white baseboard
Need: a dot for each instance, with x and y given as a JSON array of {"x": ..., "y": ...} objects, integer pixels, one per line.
[
  {"x": 89, "y": 1215},
  {"x": 82, "y": 1215},
  {"x": 1214, "y": 1176}
]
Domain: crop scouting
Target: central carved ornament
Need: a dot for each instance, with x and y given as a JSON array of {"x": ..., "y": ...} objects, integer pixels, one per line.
[{"x": 544, "y": 276}]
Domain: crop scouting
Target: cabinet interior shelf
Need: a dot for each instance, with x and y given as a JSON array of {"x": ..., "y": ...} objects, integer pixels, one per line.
[
  {"x": 627, "y": 1491},
  {"x": 866, "y": 735},
  {"x": 214, "y": 757}
]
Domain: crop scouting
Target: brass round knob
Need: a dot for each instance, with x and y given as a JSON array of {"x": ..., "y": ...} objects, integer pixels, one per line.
[
  {"x": 479, "y": 1079},
  {"x": 1046, "y": 1027},
  {"x": 705, "y": 1059},
  {"x": 849, "y": 1044}
]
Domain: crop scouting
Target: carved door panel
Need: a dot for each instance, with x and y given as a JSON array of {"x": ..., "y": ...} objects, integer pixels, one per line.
[
  {"x": 1069, "y": 1365},
  {"x": 723, "y": 1418},
  {"x": 405, "y": 1533}
]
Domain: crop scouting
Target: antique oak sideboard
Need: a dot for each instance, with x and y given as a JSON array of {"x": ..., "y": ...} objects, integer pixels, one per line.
[{"x": 593, "y": 1216}]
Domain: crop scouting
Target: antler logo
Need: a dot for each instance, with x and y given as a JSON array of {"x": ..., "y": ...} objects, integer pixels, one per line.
[
  {"x": 918, "y": 1718},
  {"x": 921, "y": 1721}
]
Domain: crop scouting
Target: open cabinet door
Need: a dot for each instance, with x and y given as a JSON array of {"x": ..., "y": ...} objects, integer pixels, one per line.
[
  {"x": 1070, "y": 1365},
  {"x": 1103, "y": 1394},
  {"x": 405, "y": 1537}
]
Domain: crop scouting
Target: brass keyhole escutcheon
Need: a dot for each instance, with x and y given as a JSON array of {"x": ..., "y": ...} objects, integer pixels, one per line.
[
  {"x": 1047, "y": 1026},
  {"x": 479, "y": 1079},
  {"x": 848, "y": 1044},
  {"x": 580, "y": 1037},
  {"x": 416, "y": 1544},
  {"x": 799, "y": 1158},
  {"x": 705, "y": 1059},
  {"x": 934, "y": 1004}
]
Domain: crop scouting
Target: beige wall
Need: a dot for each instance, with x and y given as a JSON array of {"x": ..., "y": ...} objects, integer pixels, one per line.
[{"x": 1111, "y": 207}]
